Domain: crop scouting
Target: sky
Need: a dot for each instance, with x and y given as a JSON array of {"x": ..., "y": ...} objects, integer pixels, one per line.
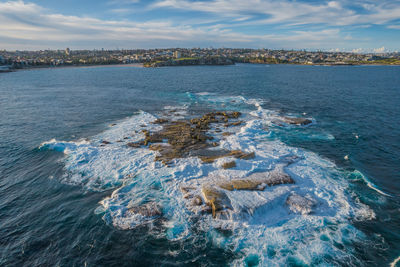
[{"x": 338, "y": 25}]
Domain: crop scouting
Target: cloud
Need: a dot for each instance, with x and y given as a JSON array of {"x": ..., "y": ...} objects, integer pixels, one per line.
[
  {"x": 30, "y": 26},
  {"x": 357, "y": 50},
  {"x": 27, "y": 25},
  {"x": 295, "y": 12},
  {"x": 379, "y": 50}
]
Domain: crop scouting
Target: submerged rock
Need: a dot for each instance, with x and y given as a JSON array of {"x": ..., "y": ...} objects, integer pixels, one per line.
[
  {"x": 150, "y": 209},
  {"x": 297, "y": 121},
  {"x": 300, "y": 204},
  {"x": 135, "y": 145}
]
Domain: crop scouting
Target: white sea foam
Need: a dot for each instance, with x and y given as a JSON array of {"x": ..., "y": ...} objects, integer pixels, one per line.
[{"x": 262, "y": 224}]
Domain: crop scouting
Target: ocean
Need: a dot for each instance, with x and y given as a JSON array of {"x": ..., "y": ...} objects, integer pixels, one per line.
[{"x": 73, "y": 192}]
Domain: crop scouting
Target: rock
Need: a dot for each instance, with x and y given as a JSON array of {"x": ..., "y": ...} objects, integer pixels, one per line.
[
  {"x": 297, "y": 121},
  {"x": 250, "y": 155},
  {"x": 216, "y": 199},
  {"x": 160, "y": 121},
  {"x": 229, "y": 165},
  {"x": 234, "y": 153},
  {"x": 299, "y": 204},
  {"x": 236, "y": 123},
  {"x": 187, "y": 189},
  {"x": 105, "y": 142},
  {"x": 257, "y": 181},
  {"x": 242, "y": 184},
  {"x": 197, "y": 201},
  {"x": 226, "y": 134},
  {"x": 185, "y": 138},
  {"x": 135, "y": 145},
  {"x": 236, "y": 114},
  {"x": 150, "y": 209}
]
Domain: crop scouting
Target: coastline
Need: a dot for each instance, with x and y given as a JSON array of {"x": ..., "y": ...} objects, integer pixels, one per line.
[
  {"x": 133, "y": 65},
  {"x": 165, "y": 64}
]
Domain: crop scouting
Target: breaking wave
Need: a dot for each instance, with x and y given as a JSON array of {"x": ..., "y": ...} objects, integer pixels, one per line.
[{"x": 262, "y": 225}]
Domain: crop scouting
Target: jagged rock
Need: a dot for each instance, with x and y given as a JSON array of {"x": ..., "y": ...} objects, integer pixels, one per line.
[
  {"x": 216, "y": 199},
  {"x": 214, "y": 193},
  {"x": 197, "y": 201},
  {"x": 257, "y": 181},
  {"x": 187, "y": 138},
  {"x": 250, "y": 155},
  {"x": 236, "y": 123},
  {"x": 135, "y": 145},
  {"x": 160, "y": 121},
  {"x": 297, "y": 121},
  {"x": 234, "y": 153},
  {"x": 300, "y": 204},
  {"x": 150, "y": 209},
  {"x": 229, "y": 165}
]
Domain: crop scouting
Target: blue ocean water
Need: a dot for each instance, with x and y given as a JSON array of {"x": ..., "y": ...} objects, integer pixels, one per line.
[{"x": 64, "y": 197}]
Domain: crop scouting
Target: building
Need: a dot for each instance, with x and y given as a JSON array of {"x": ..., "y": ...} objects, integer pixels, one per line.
[
  {"x": 67, "y": 51},
  {"x": 177, "y": 54},
  {"x": 2, "y": 60}
]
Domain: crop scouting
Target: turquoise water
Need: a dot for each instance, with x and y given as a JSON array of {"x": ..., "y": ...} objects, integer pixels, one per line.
[{"x": 64, "y": 197}]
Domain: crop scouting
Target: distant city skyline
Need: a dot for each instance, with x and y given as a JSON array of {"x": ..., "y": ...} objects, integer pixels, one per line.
[{"x": 353, "y": 26}]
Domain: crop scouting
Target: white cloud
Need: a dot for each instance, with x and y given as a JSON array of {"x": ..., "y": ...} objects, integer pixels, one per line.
[
  {"x": 357, "y": 50},
  {"x": 27, "y": 26},
  {"x": 293, "y": 12},
  {"x": 379, "y": 50},
  {"x": 30, "y": 26}
]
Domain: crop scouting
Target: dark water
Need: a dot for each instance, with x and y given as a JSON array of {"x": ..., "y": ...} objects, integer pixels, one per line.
[{"x": 46, "y": 222}]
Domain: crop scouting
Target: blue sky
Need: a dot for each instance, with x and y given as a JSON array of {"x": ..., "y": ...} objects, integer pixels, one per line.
[{"x": 342, "y": 25}]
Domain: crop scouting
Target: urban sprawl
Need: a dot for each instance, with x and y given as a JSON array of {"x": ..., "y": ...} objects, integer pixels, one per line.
[{"x": 10, "y": 60}]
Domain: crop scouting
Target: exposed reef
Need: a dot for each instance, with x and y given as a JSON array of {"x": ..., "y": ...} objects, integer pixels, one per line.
[
  {"x": 200, "y": 137},
  {"x": 211, "y": 195},
  {"x": 186, "y": 138}
]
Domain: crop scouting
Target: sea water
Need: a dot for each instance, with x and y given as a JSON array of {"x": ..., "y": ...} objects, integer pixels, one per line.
[{"x": 67, "y": 194}]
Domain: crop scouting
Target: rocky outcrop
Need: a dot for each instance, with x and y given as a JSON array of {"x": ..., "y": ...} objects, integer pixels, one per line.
[
  {"x": 297, "y": 121},
  {"x": 213, "y": 193},
  {"x": 186, "y": 138},
  {"x": 150, "y": 209},
  {"x": 216, "y": 199},
  {"x": 229, "y": 165}
]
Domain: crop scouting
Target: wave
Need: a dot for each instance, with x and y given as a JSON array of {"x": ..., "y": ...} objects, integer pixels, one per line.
[{"x": 263, "y": 226}]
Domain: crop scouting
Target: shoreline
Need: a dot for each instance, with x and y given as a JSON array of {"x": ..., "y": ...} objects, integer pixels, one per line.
[
  {"x": 133, "y": 65},
  {"x": 142, "y": 65}
]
